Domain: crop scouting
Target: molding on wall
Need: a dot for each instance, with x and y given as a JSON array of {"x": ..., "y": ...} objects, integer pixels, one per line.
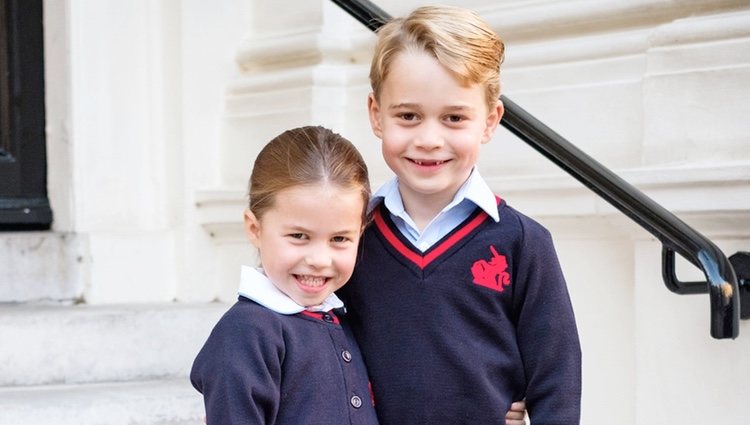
[
  {"x": 702, "y": 29},
  {"x": 220, "y": 213},
  {"x": 279, "y": 50},
  {"x": 519, "y": 21},
  {"x": 715, "y": 199},
  {"x": 300, "y": 48},
  {"x": 635, "y": 40},
  {"x": 583, "y": 48},
  {"x": 303, "y": 77}
]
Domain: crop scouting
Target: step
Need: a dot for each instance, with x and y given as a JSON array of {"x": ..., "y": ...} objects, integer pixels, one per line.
[
  {"x": 44, "y": 345},
  {"x": 38, "y": 266},
  {"x": 167, "y": 402}
]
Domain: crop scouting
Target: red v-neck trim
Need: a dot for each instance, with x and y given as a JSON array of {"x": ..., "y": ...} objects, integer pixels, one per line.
[{"x": 422, "y": 261}]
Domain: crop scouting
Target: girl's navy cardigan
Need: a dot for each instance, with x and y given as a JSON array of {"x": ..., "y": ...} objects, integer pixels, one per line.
[{"x": 262, "y": 367}]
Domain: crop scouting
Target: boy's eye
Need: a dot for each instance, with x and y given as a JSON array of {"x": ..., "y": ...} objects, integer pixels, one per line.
[
  {"x": 455, "y": 118},
  {"x": 408, "y": 116},
  {"x": 297, "y": 235}
]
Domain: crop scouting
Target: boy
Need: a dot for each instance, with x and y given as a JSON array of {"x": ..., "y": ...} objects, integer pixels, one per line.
[{"x": 458, "y": 301}]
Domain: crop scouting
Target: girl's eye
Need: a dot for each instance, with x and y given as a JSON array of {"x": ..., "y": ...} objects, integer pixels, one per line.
[
  {"x": 297, "y": 235},
  {"x": 339, "y": 239}
]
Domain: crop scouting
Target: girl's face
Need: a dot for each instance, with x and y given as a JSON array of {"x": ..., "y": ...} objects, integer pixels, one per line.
[{"x": 308, "y": 240}]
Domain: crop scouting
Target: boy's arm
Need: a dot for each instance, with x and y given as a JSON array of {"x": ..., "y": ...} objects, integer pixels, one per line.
[{"x": 546, "y": 332}]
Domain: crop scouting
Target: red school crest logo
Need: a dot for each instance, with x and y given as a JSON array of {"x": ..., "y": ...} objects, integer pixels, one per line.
[{"x": 492, "y": 274}]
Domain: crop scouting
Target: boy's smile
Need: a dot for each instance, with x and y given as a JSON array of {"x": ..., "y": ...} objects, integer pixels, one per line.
[
  {"x": 431, "y": 127},
  {"x": 428, "y": 163}
]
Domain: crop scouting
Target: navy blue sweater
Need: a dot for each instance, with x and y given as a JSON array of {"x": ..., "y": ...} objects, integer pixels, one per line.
[
  {"x": 454, "y": 335},
  {"x": 262, "y": 367}
]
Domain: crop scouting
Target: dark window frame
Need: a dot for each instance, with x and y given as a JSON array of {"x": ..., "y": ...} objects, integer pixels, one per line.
[{"x": 23, "y": 160}]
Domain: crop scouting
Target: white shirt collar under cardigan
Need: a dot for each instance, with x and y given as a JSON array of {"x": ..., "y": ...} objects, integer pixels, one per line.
[
  {"x": 473, "y": 193},
  {"x": 255, "y": 285}
]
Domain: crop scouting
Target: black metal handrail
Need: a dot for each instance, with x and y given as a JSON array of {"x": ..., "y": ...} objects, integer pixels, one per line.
[{"x": 674, "y": 234}]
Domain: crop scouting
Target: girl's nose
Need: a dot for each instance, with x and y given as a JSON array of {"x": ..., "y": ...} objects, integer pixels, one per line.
[{"x": 318, "y": 258}]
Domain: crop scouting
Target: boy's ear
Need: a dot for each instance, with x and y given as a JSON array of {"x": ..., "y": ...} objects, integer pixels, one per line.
[
  {"x": 252, "y": 228},
  {"x": 373, "y": 109},
  {"x": 493, "y": 120}
]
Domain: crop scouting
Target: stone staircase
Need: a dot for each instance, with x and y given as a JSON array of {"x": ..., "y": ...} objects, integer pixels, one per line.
[{"x": 108, "y": 365}]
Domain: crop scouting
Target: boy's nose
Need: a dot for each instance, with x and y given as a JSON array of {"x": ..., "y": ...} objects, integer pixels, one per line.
[{"x": 430, "y": 137}]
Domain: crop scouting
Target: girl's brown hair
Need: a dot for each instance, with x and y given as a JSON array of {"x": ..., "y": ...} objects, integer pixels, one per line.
[
  {"x": 306, "y": 156},
  {"x": 457, "y": 38}
]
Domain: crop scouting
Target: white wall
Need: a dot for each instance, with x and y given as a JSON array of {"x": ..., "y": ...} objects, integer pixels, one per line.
[
  {"x": 653, "y": 90},
  {"x": 159, "y": 108},
  {"x": 135, "y": 93}
]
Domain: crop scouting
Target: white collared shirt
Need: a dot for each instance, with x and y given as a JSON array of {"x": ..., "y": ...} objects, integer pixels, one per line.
[
  {"x": 255, "y": 285},
  {"x": 474, "y": 192}
]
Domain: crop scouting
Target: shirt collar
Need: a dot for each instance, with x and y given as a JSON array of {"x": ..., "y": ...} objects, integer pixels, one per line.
[
  {"x": 255, "y": 285},
  {"x": 475, "y": 189}
]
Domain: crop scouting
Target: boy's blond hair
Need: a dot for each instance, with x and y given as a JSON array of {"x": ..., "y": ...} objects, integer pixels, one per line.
[{"x": 459, "y": 39}]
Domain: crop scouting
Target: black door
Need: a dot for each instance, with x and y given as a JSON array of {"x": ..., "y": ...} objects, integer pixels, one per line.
[{"x": 23, "y": 162}]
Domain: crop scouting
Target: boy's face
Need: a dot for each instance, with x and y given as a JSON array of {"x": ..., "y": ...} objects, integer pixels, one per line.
[
  {"x": 431, "y": 127},
  {"x": 308, "y": 240}
]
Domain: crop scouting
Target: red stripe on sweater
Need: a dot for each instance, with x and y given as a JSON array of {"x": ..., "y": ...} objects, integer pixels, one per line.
[
  {"x": 424, "y": 261},
  {"x": 395, "y": 241}
]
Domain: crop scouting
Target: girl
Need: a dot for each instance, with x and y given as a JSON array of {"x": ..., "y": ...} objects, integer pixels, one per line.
[{"x": 280, "y": 355}]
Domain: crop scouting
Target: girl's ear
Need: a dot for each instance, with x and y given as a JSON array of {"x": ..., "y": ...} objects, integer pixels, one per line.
[
  {"x": 373, "y": 109},
  {"x": 493, "y": 120},
  {"x": 252, "y": 228}
]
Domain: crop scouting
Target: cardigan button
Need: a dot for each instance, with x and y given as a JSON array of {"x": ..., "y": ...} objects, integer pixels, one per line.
[
  {"x": 356, "y": 402},
  {"x": 346, "y": 355},
  {"x": 327, "y": 317}
]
